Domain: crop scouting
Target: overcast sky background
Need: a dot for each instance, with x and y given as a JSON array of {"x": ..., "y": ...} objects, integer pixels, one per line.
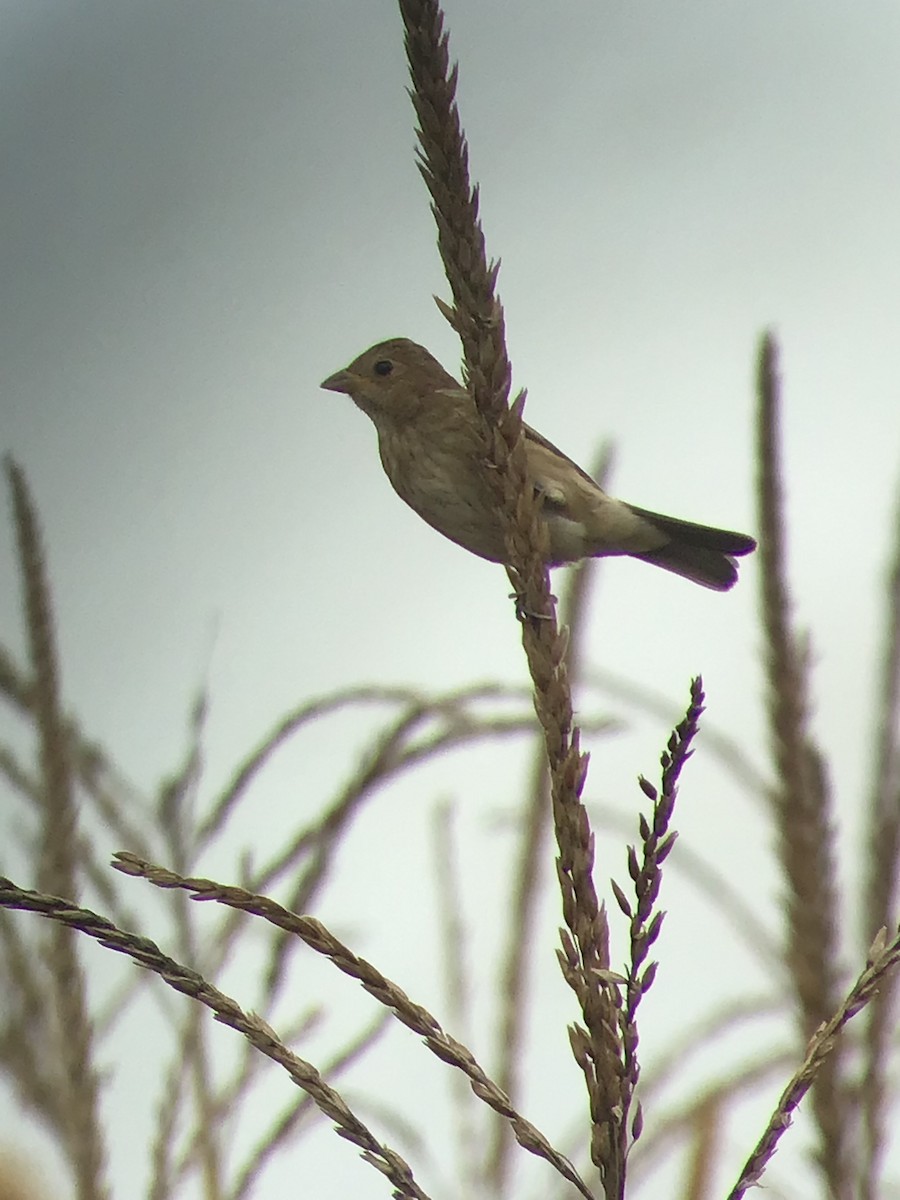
[{"x": 208, "y": 207}]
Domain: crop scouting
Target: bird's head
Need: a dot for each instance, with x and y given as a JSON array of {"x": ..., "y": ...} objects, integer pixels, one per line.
[{"x": 393, "y": 380}]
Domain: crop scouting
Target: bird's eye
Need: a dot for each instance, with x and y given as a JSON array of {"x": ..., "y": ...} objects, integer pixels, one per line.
[{"x": 384, "y": 366}]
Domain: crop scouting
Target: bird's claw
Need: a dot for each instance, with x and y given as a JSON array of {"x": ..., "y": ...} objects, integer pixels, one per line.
[{"x": 523, "y": 613}]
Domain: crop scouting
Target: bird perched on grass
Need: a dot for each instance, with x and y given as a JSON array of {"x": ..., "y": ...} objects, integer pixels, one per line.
[{"x": 432, "y": 449}]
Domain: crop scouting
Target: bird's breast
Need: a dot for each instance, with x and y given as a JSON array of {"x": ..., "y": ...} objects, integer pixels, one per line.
[{"x": 444, "y": 478}]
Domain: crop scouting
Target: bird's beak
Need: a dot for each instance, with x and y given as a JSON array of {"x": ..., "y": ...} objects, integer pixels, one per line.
[{"x": 340, "y": 381}]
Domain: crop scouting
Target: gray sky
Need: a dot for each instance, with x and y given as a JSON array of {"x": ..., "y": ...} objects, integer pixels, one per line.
[{"x": 209, "y": 207}]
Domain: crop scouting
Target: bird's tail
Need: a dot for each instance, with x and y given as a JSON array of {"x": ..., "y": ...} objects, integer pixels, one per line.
[{"x": 697, "y": 552}]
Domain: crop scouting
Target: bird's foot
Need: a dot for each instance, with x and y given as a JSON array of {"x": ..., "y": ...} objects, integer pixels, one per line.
[{"x": 524, "y": 613}]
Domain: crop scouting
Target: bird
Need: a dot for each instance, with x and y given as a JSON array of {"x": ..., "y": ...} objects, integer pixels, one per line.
[{"x": 432, "y": 448}]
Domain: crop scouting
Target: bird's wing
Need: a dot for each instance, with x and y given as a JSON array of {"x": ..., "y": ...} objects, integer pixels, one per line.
[
  {"x": 583, "y": 518},
  {"x": 533, "y": 440}
]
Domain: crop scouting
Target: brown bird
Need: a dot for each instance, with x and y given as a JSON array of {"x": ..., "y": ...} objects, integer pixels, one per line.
[{"x": 432, "y": 450}]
